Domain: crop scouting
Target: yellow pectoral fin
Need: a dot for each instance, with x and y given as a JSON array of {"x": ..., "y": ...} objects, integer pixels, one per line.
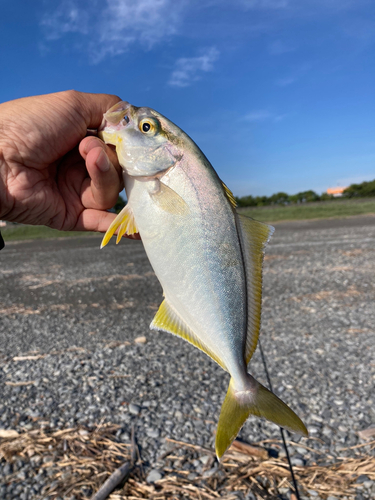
[
  {"x": 169, "y": 201},
  {"x": 167, "y": 320},
  {"x": 126, "y": 224}
]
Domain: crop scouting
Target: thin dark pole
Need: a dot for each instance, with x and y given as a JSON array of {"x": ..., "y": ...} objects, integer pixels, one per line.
[{"x": 281, "y": 429}]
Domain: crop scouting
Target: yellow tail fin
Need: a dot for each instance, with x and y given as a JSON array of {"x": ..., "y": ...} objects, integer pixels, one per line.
[{"x": 255, "y": 400}]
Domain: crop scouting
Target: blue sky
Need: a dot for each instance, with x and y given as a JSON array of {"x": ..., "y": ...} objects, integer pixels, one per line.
[{"x": 279, "y": 94}]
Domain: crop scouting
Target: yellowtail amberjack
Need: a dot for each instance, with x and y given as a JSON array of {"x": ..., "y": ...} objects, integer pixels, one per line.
[{"x": 207, "y": 257}]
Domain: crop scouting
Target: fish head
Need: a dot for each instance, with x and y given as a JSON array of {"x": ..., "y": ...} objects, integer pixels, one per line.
[{"x": 147, "y": 143}]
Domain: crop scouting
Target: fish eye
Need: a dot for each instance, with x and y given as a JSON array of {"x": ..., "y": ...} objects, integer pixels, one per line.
[
  {"x": 126, "y": 119},
  {"x": 148, "y": 126}
]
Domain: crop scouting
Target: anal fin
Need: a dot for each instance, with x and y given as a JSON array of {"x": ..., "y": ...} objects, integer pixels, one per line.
[
  {"x": 167, "y": 319},
  {"x": 124, "y": 222}
]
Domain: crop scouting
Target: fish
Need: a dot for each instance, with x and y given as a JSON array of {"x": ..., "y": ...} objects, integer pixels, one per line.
[{"x": 207, "y": 257}]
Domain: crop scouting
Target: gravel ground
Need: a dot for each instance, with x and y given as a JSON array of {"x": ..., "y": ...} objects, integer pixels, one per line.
[{"x": 80, "y": 314}]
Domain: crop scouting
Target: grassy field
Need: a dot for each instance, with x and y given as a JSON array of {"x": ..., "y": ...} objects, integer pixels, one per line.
[
  {"x": 318, "y": 210},
  {"x": 23, "y": 232}
]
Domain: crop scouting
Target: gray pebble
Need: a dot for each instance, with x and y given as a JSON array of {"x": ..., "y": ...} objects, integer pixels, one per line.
[
  {"x": 210, "y": 472},
  {"x": 154, "y": 433},
  {"x": 362, "y": 478},
  {"x": 154, "y": 476},
  {"x": 204, "y": 459},
  {"x": 7, "y": 469},
  {"x": 297, "y": 461},
  {"x": 134, "y": 409},
  {"x": 326, "y": 375},
  {"x": 124, "y": 437},
  {"x": 368, "y": 484}
]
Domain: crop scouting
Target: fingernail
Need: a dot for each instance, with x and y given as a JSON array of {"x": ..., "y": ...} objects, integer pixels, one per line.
[{"x": 102, "y": 162}]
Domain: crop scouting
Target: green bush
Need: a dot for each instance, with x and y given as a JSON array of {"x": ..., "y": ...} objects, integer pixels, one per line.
[{"x": 364, "y": 190}]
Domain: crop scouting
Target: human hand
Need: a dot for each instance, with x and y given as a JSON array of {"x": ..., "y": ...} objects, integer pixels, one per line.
[{"x": 50, "y": 172}]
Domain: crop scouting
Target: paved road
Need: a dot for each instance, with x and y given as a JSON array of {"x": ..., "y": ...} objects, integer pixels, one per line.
[{"x": 318, "y": 335}]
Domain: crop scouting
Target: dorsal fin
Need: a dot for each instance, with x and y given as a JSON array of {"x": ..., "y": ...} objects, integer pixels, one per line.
[
  {"x": 254, "y": 237},
  {"x": 125, "y": 221},
  {"x": 167, "y": 319},
  {"x": 229, "y": 195}
]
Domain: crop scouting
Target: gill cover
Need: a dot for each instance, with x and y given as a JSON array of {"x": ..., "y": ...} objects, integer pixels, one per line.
[{"x": 142, "y": 146}]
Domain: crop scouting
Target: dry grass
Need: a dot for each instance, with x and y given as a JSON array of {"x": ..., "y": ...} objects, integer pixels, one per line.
[{"x": 81, "y": 460}]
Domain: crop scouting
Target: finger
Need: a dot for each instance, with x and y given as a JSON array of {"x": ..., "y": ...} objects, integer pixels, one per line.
[
  {"x": 101, "y": 189},
  {"x": 98, "y": 220},
  {"x": 91, "y": 142},
  {"x": 94, "y": 220}
]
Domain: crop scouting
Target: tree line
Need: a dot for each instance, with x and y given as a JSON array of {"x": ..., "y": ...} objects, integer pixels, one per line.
[{"x": 363, "y": 190}]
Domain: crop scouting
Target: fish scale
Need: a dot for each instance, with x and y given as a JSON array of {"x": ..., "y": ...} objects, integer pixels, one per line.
[{"x": 207, "y": 257}]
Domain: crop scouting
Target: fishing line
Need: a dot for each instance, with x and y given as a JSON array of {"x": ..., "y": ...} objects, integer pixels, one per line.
[{"x": 281, "y": 429}]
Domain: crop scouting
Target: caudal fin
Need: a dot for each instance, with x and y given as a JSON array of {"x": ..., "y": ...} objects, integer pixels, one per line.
[{"x": 255, "y": 400}]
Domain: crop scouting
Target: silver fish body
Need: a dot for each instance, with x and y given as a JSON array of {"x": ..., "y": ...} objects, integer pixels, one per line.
[{"x": 207, "y": 257}]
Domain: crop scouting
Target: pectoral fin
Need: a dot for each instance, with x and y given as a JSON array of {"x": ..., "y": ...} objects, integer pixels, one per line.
[
  {"x": 126, "y": 224},
  {"x": 169, "y": 201},
  {"x": 167, "y": 319}
]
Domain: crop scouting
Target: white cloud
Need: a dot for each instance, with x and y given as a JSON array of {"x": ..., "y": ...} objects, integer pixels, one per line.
[
  {"x": 295, "y": 74},
  {"x": 261, "y": 115},
  {"x": 113, "y": 26},
  {"x": 265, "y": 4},
  {"x": 256, "y": 116},
  {"x": 278, "y": 47},
  {"x": 189, "y": 69},
  {"x": 288, "y": 80},
  {"x": 144, "y": 21},
  {"x": 307, "y": 6},
  {"x": 67, "y": 18}
]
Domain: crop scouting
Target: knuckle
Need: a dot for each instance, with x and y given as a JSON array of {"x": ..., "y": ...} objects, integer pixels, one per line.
[
  {"x": 72, "y": 95},
  {"x": 115, "y": 97}
]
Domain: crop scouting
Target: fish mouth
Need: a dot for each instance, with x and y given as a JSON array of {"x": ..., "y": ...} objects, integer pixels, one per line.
[{"x": 116, "y": 117}]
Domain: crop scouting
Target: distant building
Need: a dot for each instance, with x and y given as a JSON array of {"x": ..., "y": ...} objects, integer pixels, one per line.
[
  {"x": 3, "y": 223},
  {"x": 336, "y": 191}
]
